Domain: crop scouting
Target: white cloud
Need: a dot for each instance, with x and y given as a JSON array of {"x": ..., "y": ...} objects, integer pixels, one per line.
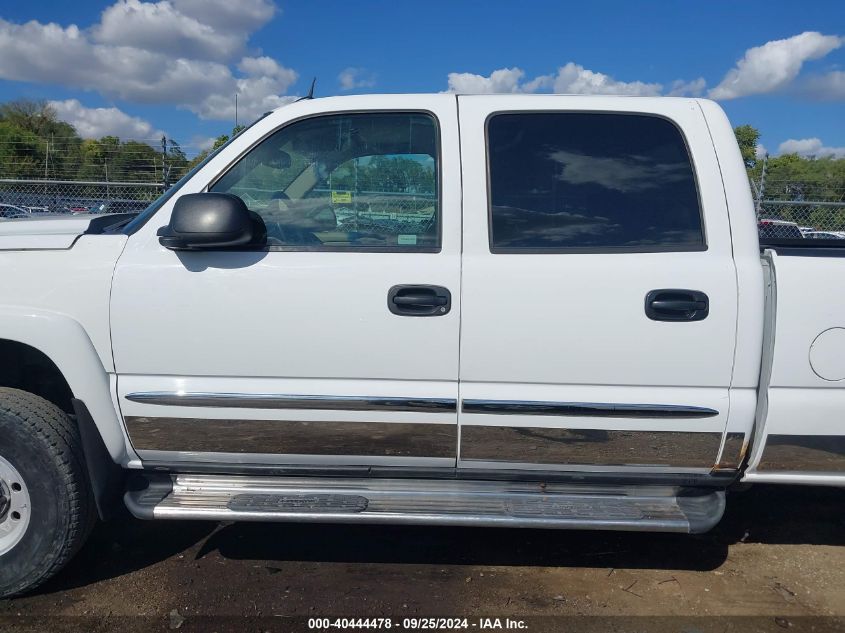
[
  {"x": 575, "y": 79},
  {"x": 502, "y": 80},
  {"x": 829, "y": 87},
  {"x": 570, "y": 79},
  {"x": 681, "y": 88},
  {"x": 99, "y": 122},
  {"x": 261, "y": 89},
  {"x": 760, "y": 151},
  {"x": 774, "y": 65},
  {"x": 226, "y": 16},
  {"x": 352, "y": 78},
  {"x": 810, "y": 147},
  {"x": 766, "y": 68},
  {"x": 161, "y": 27},
  {"x": 123, "y": 57}
]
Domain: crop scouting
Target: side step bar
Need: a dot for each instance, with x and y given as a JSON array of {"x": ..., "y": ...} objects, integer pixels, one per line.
[{"x": 426, "y": 502}]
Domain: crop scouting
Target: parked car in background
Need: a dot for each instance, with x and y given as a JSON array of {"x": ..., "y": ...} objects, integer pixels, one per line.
[
  {"x": 824, "y": 235},
  {"x": 10, "y": 211},
  {"x": 778, "y": 230}
]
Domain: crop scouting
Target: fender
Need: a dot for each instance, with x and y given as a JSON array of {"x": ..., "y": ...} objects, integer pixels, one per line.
[{"x": 65, "y": 341}]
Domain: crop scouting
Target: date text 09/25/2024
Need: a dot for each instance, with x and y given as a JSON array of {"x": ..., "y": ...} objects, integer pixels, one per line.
[{"x": 479, "y": 624}]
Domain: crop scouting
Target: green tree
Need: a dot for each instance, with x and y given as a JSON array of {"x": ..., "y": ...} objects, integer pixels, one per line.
[
  {"x": 21, "y": 152},
  {"x": 396, "y": 174},
  {"x": 36, "y": 144},
  {"x": 747, "y": 137},
  {"x": 36, "y": 117}
]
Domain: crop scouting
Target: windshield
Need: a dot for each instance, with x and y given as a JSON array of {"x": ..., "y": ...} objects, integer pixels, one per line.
[{"x": 159, "y": 202}]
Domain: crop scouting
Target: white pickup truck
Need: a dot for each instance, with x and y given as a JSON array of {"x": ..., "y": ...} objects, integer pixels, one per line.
[{"x": 536, "y": 311}]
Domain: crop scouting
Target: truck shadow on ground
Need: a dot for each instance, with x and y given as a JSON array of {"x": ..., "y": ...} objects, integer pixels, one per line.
[{"x": 764, "y": 514}]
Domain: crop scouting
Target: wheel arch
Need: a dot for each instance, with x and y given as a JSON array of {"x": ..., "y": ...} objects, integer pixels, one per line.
[{"x": 59, "y": 347}]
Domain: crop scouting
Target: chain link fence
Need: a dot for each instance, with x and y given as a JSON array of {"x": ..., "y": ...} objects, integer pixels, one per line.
[
  {"x": 787, "y": 219},
  {"x": 365, "y": 211},
  {"x": 26, "y": 198},
  {"x": 380, "y": 211},
  {"x": 785, "y": 210},
  {"x": 800, "y": 209}
]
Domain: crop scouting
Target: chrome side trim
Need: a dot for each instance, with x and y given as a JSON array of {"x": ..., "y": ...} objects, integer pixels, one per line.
[
  {"x": 546, "y": 445},
  {"x": 585, "y": 409},
  {"x": 733, "y": 451},
  {"x": 284, "y": 401},
  {"x": 198, "y": 435},
  {"x": 803, "y": 453}
]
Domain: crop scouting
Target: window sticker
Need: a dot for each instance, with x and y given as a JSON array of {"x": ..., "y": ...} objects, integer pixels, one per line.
[{"x": 407, "y": 240}]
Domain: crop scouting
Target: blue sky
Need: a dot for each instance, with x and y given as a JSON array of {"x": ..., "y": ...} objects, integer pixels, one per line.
[{"x": 139, "y": 68}]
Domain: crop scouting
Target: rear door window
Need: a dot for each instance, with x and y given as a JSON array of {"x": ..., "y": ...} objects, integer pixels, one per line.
[{"x": 590, "y": 182}]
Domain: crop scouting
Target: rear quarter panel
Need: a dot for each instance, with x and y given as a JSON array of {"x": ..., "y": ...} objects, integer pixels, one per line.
[{"x": 801, "y": 436}]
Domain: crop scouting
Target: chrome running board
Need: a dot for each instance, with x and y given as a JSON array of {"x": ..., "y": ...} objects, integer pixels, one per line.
[{"x": 426, "y": 502}]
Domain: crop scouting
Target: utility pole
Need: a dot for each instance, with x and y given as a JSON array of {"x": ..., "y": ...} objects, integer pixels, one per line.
[
  {"x": 761, "y": 189},
  {"x": 165, "y": 170},
  {"x": 46, "y": 162}
]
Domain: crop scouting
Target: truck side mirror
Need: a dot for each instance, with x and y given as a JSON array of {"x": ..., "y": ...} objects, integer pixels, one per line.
[{"x": 211, "y": 221}]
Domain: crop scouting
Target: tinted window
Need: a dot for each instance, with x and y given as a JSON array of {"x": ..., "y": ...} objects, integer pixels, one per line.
[
  {"x": 347, "y": 181},
  {"x": 561, "y": 181}
]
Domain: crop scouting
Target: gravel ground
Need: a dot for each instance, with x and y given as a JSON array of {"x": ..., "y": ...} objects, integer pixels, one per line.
[{"x": 776, "y": 562}]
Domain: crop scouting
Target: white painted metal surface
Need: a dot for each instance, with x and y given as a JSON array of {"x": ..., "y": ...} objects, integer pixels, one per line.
[
  {"x": 559, "y": 328},
  {"x": 800, "y": 403},
  {"x": 308, "y": 323},
  {"x": 745, "y": 250},
  {"x": 827, "y": 354},
  {"x": 571, "y": 327},
  {"x": 57, "y": 301},
  {"x": 42, "y": 233}
]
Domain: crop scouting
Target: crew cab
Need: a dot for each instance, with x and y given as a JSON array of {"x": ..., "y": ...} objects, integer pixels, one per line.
[{"x": 494, "y": 310}]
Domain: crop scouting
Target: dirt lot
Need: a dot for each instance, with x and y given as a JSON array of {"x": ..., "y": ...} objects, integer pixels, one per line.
[{"x": 778, "y": 556}]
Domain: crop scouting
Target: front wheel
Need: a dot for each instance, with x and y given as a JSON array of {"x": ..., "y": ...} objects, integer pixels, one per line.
[{"x": 46, "y": 507}]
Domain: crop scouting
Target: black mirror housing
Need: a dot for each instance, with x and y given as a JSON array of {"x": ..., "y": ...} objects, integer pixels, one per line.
[{"x": 211, "y": 221}]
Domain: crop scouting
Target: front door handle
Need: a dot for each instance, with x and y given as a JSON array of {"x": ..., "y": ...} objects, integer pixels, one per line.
[
  {"x": 671, "y": 304},
  {"x": 417, "y": 300}
]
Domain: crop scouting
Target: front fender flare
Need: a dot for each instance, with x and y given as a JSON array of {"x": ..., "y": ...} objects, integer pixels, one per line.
[{"x": 65, "y": 341}]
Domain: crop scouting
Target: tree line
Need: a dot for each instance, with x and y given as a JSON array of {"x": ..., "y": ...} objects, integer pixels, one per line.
[
  {"x": 790, "y": 176},
  {"x": 35, "y": 144}
]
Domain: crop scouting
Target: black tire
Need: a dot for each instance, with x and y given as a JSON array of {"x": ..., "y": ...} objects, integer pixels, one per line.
[{"x": 42, "y": 443}]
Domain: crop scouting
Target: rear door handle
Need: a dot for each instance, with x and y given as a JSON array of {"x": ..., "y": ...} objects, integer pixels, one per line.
[
  {"x": 672, "y": 304},
  {"x": 418, "y": 300}
]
